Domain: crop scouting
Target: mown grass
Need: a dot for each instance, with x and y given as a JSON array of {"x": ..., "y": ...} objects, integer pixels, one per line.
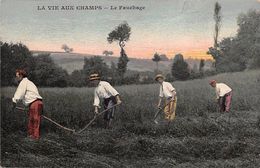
[{"x": 199, "y": 137}]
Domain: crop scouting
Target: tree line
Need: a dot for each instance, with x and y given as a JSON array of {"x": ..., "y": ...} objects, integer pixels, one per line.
[
  {"x": 241, "y": 51},
  {"x": 43, "y": 71}
]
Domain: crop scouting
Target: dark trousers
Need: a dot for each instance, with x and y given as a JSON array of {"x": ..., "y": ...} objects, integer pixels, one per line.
[{"x": 108, "y": 103}]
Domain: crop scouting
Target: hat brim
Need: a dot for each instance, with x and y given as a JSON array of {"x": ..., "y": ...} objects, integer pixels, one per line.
[
  {"x": 156, "y": 78},
  {"x": 94, "y": 78}
]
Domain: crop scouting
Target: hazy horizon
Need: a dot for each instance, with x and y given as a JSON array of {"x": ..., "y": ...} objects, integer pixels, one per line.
[{"x": 115, "y": 56}]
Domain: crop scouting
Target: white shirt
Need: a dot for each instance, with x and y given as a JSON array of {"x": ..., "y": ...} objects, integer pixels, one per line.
[
  {"x": 103, "y": 90},
  {"x": 27, "y": 92},
  {"x": 167, "y": 90},
  {"x": 222, "y": 89}
]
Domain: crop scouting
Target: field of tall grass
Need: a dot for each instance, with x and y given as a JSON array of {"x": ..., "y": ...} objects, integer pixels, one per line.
[{"x": 200, "y": 136}]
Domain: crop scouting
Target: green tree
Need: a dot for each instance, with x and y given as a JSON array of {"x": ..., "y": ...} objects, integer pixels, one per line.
[
  {"x": 95, "y": 65},
  {"x": 164, "y": 57},
  {"x": 107, "y": 53},
  {"x": 66, "y": 48},
  {"x": 122, "y": 63},
  {"x": 217, "y": 19},
  {"x": 41, "y": 69},
  {"x": 121, "y": 34},
  {"x": 180, "y": 68},
  {"x": 113, "y": 67},
  {"x": 178, "y": 57},
  {"x": 77, "y": 79},
  {"x": 195, "y": 68},
  {"x": 248, "y": 37},
  {"x": 202, "y": 64},
  {"x": 14, "y": 56},
  {"x": 243, "y": 50},
  {"x": 214, "y": 51},
  {"x": 114, "y": 79},
  {"x": 156, "y": 58},
  {"x": 47, "y": 73}
]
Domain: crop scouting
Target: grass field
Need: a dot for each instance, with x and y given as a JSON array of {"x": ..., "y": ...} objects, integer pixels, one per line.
[{"x": 198, "y": 137}]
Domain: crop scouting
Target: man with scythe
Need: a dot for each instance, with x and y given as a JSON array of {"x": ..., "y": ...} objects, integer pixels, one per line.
[
  {"x": 110, "y": 96},
  {"x": 168, "y": 92},
  {"x": 223, "y": 95},
  {"x": 28, "y": 93}
]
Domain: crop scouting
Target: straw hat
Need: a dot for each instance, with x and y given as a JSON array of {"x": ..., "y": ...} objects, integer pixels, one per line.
[
  {"x": 94, "y": 76},
  {"x": 158, "y": 76}
]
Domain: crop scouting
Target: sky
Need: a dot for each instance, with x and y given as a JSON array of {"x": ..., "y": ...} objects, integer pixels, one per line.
[{"x": 167, "y": 26}]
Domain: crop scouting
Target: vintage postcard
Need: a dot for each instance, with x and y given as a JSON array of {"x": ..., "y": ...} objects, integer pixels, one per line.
[{"x": 130, "y": 83}]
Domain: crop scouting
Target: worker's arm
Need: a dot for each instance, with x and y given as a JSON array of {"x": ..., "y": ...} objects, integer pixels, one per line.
[
  {"x": 160, "y": 97},
  {"x": 20, "y": 91},
  {"x": 159, "y": 102},
  {"x": 174, "y": 94},
  {"x": 118, "y": 100},
  {"x": 96, "y": 109},
  {"x": 172, "y": 89},
  {"x": 96, "y": 102},
  {"x": 217, "y": 93}
]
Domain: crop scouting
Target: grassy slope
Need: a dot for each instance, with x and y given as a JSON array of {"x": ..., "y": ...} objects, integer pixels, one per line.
[
  {"x": 72, "y": 62},
  {"x": 199, "y": 137}
]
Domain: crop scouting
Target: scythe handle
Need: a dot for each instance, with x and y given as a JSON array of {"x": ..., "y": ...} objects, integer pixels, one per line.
[
  {"x": 50, "y": 120},
  {"x": 94, "y": 118}
]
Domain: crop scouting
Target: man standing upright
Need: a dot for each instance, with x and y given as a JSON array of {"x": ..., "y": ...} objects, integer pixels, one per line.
[
  {"x": 168, "y": 92},
  {"x": 224, "y": 94},
  {"x": 28, "y": 93},
  {"x": 110, "y": 96}
]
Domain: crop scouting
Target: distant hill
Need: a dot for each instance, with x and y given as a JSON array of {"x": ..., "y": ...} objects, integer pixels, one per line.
[{"x": 75, "y": 61}]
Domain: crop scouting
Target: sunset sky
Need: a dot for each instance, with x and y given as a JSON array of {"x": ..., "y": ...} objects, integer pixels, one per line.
[{"x": 167, "y": 26}]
